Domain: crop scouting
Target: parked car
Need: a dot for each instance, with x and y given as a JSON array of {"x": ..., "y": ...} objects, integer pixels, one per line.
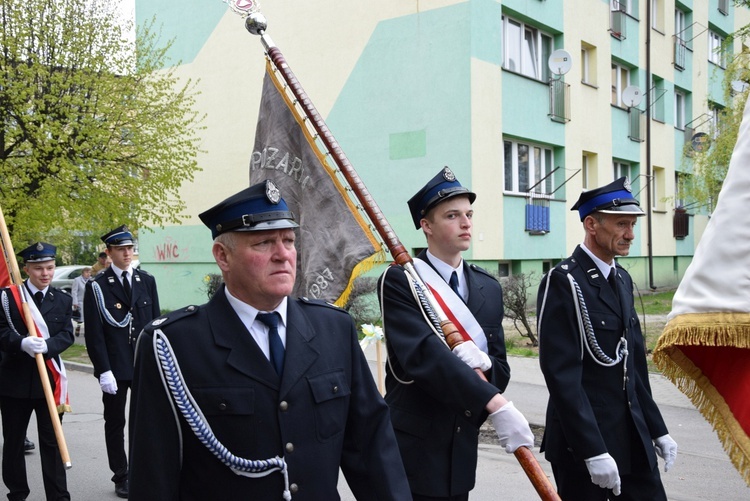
[{"x": 64, "y": 276}]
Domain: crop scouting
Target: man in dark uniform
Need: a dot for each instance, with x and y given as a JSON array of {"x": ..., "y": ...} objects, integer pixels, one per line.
[
  {"x": 21, "y": 390},
  {"x": 437, "y": 400},
  {"x": 118, "y": 303},
  {"x": 603, "y": 429},
  {"x": 256, "y": 375}
]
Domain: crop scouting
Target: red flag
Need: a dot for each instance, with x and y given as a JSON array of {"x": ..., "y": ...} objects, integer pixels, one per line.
[
  {"x": 4, "y": 270},
  {"x": 705, "y": 346},
  {"x": 335, "y": 242}
]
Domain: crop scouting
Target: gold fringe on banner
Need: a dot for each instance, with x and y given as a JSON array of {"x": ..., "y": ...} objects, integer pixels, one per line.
[{"x": 719, "y": 329}]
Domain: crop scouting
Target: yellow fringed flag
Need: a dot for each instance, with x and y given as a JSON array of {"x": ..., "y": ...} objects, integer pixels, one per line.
[
  {"x": 705, "y": 346},
  {"x": 335, "y": 242}
]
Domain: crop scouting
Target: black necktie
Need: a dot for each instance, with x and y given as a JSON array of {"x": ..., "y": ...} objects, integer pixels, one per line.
[
  {"x": 613, "y": 281},
  {"x": 126, "y": 284},
  {"x": 38, "y": 297},
  {"x": 453, "y": 282},
  {"x": 276, "y": 347}
]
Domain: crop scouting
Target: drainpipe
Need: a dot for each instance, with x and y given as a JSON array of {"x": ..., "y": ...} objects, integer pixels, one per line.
[{"x": 649, "y": 240}]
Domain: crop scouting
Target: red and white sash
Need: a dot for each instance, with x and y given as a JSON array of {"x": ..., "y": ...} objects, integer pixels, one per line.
[
  {"x": 453, "y": 306},
  {"x": 54, "y": 364}
]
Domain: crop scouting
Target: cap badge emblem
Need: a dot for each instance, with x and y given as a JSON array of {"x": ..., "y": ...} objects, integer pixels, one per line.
[
  {"x": 626, "y": 185},
  {"x": 39, "y": 246},
  {"x": 448, "y": 175},
  {"x": 272, "y": 192}
]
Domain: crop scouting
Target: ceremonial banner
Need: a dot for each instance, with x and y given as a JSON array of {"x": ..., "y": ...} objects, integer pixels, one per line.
[
  {"x": 705, "y": 346},
  {"x": 4, "y": 269},
  {"x": 335, "y": 243}
]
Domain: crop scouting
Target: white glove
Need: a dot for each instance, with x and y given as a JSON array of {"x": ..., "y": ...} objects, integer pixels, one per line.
[
  {"x": 33, "y": 345},
  {"x": 666, "y": 448},
  {"x": 108, "y": 382},
  {"x": 472, "y": 356},
  {"x": 603, "y": 471},
  {"x": 512, "y": 429}
]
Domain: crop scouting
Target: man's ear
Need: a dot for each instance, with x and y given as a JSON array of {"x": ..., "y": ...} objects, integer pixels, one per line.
[
  {"x": 589, "y": 224},
  {"x": 221, "y": 255}
]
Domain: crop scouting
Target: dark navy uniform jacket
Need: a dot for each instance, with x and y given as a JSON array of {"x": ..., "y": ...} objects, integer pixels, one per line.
[
  {"x": 324, "y": 412},
  {"x": 437, "y": 418},
  {"x": 19, "y": 375},
  {"x": 594, "y": 409}
]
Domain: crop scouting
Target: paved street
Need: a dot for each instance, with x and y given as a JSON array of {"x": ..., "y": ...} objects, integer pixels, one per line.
[{"x": 702, "y": 470}]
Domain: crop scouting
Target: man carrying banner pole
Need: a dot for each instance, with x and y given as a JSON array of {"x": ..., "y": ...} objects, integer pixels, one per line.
[
  {"x": 21, "y": 390},
  {"x": 437, "y": 401},
  {"x": 287, "y": 165}
]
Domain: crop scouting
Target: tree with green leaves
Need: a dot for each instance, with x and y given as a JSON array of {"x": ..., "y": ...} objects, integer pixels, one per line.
[
  {"x": 709, "y": 167},
  {"x": 97, "y": 130}
]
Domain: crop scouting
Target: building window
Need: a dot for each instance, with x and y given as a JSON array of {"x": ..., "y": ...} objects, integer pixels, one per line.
[
  {"x": 589, "y": 168},
  {"x": 657, "y": 15},
  {"x": 625, "y": 6},
  {"x": 679, "y": 109},
  {"x": 526, "y": 164},
  {"x": 620, "y": 80},
  {"x": 715, "y": 50},
  {"x": 585, "y": 172},
  {"x": 657, "y": 188},
  {"x": 622, "y": 169},
  {"x": 527, "y": 49},
  {"x": 588, "y": 64},
  {"x": 680, "y": 25},
  {"x": 714, "y": 113},
  {"x": 724, "y": 7},
  {"x": 657, "y": 103}
]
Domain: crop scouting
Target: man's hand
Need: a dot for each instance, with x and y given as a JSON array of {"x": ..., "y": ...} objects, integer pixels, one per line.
[
  {"x": 666, "y": 448},
  {"x": 472, "y": 356},
  {"x": 108, "y": 382},
  {"x": 512, "y": 429},
  {"x": 33, "y": 345},
  {"x": 604, "y": 473}
]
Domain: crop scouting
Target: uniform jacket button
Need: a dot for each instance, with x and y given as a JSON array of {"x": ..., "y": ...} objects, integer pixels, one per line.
[
  {"x": 283, "y": 406},
  {"x": 467, "y": 413},
  {"x": 289, "y": 447},
  {"x": 222, "y": 406},
  {"x": 293, "y": 488}
]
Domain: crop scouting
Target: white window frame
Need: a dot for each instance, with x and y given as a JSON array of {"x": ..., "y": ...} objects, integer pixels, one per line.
[
  {"x": 526, "y": 49},
  {"x": 617, "y": 85},
  {"x": 621, "y": 5},
  {"x": 585, "y": 75},
  {"x": 715, "y": 52},
  {"x": 680, "y": 100},
  {"x": 539, "y": 163},
  {"x": 657, "y": 22},
  {"x": 620, "y": 169},
  {"x": 680, "y": 18}
]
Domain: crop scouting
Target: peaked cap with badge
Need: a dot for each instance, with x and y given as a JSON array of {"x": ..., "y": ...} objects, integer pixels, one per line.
[
  {"x": 38, "y": 252},
  {"x": 119, "y": 237},
  {"x": 613, "y": 198},
  {"x": 438, "y": 189},
  {"x": 257, "y": 208}
]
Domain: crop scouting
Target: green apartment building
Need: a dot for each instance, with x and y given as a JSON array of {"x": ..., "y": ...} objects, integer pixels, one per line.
[{"x": 527, "y": 101}]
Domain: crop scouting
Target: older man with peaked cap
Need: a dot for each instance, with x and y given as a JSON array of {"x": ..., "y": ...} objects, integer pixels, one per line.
[
  {"x": 258, "y": 376},
  {"x": 603, "y": 429}
]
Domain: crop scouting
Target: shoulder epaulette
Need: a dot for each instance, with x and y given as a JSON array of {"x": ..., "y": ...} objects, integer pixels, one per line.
[
  {"x": 143, "y": 272},
  {"x": 481, "y": 270},
  {"x": 566, "y": 265},
  {"x": 319, "y": 302},
  {"x": 173, "y": 317}
]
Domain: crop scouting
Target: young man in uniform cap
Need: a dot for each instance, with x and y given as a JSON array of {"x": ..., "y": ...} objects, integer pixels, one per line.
[
  {"x": 603, "y": 428},
  {"x": 262, "y": 376},
  {"x": 118, "y": 303},
  {"x": 21, "y": 390},
  {"x": 437, "y": 400}
]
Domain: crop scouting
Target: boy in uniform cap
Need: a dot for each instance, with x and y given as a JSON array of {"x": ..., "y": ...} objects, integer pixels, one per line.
[
  {"x": 21, "y": 390},
  {"x": 118, "y": 303},
  {"x": 603, "y": 428},
  {"x": 437, "y": 400},
  {"x": 263, "y": 376}
]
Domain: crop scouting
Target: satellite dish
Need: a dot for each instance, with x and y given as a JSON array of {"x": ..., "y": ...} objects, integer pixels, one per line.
[
  {"x": 632, "y": 96},
  {"x": 559, "y": 62},
  {"x": 739, "y": 86},
  {"x": 700, "y": 142}
]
